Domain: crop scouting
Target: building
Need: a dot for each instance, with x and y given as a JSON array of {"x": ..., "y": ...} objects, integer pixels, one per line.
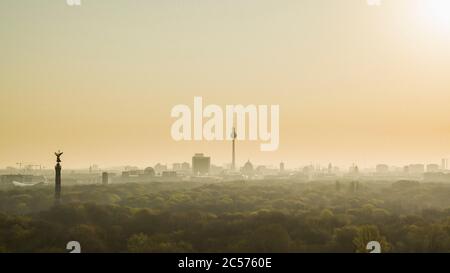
[
  {"x": 185, "y": 166},
  {"x": 149, "y": 171},
  {"x": 248, "y": 168},
  {"x": 382, "y": 168},
  {"x": 444, "y": 164},
  {"x": 169, "y": 174},
  {"x": 159, "y": 168},
  {"x": 432, "y": 168},
  {"x": 406, "y": 169},
  {"x": 133, "y": 173},
  {"x": 201, "y": 164},
  {"x": 176, "y": 166},
  {"x": 94, "y": 168},
  {"x": 105, "y": 178},
  {"x": 416, "y": 168},
  {"x": 281, "y": 167},
  {"x": 216, "y": 170},
  {"x": 354, "y": 170},
  {"x": 8, "y": 179},
  {"x": 137, "y": 176}
]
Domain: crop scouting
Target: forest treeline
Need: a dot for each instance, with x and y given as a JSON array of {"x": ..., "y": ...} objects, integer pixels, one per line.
[{"x": 256, "y": 216}]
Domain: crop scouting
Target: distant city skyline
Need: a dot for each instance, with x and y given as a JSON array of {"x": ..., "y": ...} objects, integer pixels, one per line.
[{"x": 441, "y": 164}]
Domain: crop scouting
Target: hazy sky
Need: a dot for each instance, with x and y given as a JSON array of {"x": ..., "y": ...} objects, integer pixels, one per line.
[{"x": 355, "y": 83}]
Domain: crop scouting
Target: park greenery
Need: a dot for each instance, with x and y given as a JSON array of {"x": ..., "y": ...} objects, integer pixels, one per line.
[{"x": 240, "y": 216}]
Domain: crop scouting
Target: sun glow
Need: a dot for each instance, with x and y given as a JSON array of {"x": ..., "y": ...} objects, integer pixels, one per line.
[{"x": 436, "y": 13}]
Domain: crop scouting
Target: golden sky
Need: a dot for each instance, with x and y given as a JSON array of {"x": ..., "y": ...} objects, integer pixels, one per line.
[{"x": 355, "y": 83}]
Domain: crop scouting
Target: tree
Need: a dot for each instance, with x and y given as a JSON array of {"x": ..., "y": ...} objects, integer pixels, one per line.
[
  {"x": 366, "y": 234},
  {"x": 270, "y": 238}
]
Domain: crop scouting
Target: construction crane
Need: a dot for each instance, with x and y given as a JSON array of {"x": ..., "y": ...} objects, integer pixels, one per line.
[{"x": 20, "y": 164}]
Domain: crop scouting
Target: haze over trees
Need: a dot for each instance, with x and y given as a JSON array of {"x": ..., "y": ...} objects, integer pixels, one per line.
[{"x": 260, "y": 216}]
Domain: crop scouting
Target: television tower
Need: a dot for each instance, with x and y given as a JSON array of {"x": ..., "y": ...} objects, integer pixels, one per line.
[
  {"x": 58, "y": 178},
  {"x": 233, "y": 161}
]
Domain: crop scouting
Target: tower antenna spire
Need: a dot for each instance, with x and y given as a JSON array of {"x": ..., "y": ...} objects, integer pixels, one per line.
[{"x": 233, "y": 161}]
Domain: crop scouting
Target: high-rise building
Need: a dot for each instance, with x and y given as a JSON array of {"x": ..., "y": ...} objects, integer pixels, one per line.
[
  {"x": 281, "y": 167},
  {"x": 200, "y": 164},
  {"x": 444, "y": 164},
  {"x": 105, "y": 178}
]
